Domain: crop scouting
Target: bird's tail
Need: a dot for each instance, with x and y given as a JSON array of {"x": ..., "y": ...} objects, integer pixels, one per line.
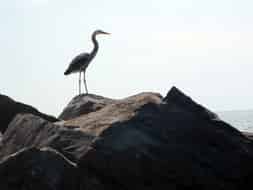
[{"x": 67, "y": 72}]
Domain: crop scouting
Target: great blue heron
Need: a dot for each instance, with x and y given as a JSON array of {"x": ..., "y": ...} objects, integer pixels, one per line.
[{"x": 82, "y": 61}]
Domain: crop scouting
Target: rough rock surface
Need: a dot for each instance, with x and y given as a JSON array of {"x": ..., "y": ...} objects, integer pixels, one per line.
[
  {"x": 9, "y": 108},
  {"x": 176, "y": 144},
  {"x": 84, "y": 104},
  {"x": 32, "y": 169},
  {"x": 144, "y": 142},
  {"x": 27, "y": 130},
  {"x": 67, "y": 137}
]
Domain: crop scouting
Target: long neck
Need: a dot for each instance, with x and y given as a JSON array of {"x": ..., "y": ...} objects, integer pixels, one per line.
[{"x": 95, "y": 48}]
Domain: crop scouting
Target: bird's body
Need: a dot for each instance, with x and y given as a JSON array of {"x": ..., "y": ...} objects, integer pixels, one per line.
[{"x": 81, "y": 62}]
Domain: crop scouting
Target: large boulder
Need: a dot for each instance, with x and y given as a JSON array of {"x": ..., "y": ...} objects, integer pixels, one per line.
[
  {"x": 69, "y": 138},
  {"x": 174, "y": 144},
  {"x": 84, "y": 104},
  {"x": 9, "y": 108},
  {"x": 144, "y": 142},
  {"x": 31, "y": 169},
  {"x": 27, "y": 130}
]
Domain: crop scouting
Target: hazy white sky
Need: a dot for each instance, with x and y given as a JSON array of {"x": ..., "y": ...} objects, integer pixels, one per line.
[{"x": 202, "y": 47}]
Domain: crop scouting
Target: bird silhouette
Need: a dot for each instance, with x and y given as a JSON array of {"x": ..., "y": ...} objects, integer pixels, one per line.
[{"x": 80, "y": 63}]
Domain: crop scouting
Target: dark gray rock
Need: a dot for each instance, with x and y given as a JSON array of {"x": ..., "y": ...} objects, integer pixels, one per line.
[
  {"x": 178, "y": 101},
  {"x": 176, "y": 144},
  {"x": 27, "y": 130},
  {"x": 143, "y": 142},
  {"x": 84, "y": 104},
  {"x": 32, "y": 169},
  {"x": 9, "y": 108},
  {"x": 71, "y": 138}
]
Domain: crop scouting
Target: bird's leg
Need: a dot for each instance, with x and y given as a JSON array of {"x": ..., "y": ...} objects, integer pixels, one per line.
[
  {"x": 84, "y": 80},
  {"x": 80, "y": 82}
]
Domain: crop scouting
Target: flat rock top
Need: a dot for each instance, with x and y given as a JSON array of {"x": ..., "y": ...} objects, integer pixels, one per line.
[
  {"x": 84, "y": 104},
  {"x": 119, "y": 111}
]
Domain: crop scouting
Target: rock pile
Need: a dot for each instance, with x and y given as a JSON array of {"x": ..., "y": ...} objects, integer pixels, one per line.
[{"x": 140, "y": 142}]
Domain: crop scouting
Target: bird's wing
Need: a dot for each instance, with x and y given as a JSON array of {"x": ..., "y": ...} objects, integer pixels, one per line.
[
  {"x": 77, "y": 63},
  {"x": 83, "y": 57}
]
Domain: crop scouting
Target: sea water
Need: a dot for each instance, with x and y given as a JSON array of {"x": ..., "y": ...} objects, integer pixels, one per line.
[{"x": 242, "y": 120}]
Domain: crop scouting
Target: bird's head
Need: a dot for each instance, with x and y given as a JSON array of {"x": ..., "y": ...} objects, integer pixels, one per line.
[{"x": 97, "y": 32}]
